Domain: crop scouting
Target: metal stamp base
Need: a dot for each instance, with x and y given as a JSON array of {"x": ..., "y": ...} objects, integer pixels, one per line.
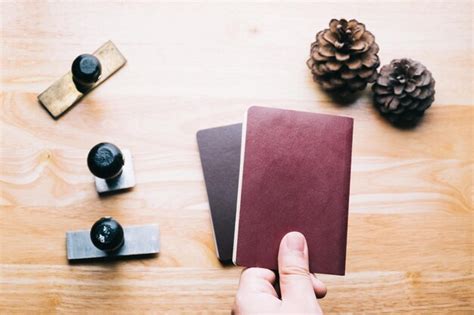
[
  {"x": 62, "y": 94},
  {"x": 126, "y": 180},
  {"x": 139, "y": 240}
]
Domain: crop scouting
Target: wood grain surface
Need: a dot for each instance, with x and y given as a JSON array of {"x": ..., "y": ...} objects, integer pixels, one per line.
[{"x": 198, "y": 65}]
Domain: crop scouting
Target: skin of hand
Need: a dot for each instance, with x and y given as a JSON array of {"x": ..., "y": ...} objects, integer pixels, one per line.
[{"x": 299, "y": 288}]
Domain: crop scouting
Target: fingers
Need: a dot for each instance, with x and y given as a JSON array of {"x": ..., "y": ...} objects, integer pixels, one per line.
[
  {"x": 257, "y": 280},
  {"x": 319, "y": 287},
  {"x": 296, "y": 283}
]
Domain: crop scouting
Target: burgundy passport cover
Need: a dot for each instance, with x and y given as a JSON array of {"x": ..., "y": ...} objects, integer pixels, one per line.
[
  {"x": 295, "y": 175},
  {"x": 219, "y": 149}
]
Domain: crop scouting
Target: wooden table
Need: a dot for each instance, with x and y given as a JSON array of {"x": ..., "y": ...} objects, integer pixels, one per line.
[{"x": 198, "y": 65}]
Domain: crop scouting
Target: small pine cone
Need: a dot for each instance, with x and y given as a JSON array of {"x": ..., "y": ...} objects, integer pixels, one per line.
[
  {"x": 344, "y": 57},
  {"x": 403, "y": 91}
]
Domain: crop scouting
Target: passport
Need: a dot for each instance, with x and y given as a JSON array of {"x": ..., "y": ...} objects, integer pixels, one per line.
[
  {"x": 294, "y": 175},
  {"x": 219, "y": 149}
]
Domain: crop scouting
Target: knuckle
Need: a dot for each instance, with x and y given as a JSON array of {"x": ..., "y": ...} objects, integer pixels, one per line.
[
  {"x": 250, "y": 271},
  {"x": 256, "y": 273},
  {"x": 294, "y": 270}
]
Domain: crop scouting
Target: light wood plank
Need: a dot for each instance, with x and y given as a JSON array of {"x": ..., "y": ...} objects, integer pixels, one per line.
[
  {"x": 151, "y": 289},
  {"x": 229, "y": 50},
  {"x": 169, "y": 125},
  {"x": 411, "y": 242}
]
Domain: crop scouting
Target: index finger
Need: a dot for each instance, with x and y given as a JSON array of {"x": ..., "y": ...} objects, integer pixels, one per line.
[{"x": 258, "y": 280}]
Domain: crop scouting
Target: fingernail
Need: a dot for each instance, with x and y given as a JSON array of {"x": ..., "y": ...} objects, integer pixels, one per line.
[{"x": 295, "y": 241}]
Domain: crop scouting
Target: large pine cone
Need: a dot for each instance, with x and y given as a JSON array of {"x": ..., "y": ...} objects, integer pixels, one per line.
[
  {"x": 403, "y": 91},
  {"x": 344, "y": 57}
]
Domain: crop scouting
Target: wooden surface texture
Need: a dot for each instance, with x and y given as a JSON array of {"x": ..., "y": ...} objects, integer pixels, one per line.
[{"x": 198, "y": 65}]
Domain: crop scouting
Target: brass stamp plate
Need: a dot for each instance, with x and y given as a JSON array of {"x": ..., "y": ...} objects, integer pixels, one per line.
[{"x": 62, "y": 94}]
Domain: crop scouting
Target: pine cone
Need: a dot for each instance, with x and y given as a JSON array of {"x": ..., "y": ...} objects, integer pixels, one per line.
[
  {"x": 403, "y": 91},
  {"x": 344, "y": 57}
]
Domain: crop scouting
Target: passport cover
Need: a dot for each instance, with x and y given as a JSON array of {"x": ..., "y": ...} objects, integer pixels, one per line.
[
  {"x": 295, "y": 176},
  {"x": 219, "y": 149}
]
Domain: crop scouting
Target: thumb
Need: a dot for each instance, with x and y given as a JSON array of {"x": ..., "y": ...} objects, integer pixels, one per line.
[{"x": 295, "y": 279}]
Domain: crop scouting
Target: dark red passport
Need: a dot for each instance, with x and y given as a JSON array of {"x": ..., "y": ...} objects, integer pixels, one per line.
[
  {"x": 295, "y": 175},
  {"x": 219, "y": 149}
]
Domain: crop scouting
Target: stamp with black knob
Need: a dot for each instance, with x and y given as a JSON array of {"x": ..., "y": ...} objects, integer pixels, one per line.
[
  {"x": 108, "y": 239},
  {"x": 112, "y": 168},
  {"x": 87, "y": 72}
]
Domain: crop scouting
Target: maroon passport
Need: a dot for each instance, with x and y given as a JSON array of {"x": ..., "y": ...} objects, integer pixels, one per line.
[
  {"x": 295, "y": 175},
  {"x": 219, "y": 149}
]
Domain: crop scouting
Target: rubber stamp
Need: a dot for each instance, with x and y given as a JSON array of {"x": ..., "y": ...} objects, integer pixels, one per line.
[
  {"x": 87, "y": 72},
  {"x": 112, "y": 168},
  {"x": 108, "y": 239}
]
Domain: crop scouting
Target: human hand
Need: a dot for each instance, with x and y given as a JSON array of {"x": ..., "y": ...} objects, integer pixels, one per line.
[{"x": 299, "y": 288}]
